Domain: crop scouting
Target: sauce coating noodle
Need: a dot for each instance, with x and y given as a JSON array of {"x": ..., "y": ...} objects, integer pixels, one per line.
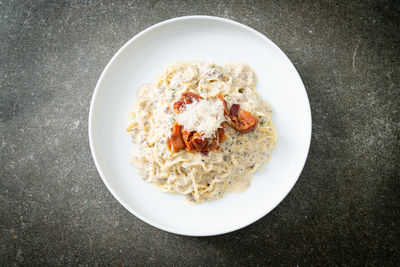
[{"x": 200, "y": 177}]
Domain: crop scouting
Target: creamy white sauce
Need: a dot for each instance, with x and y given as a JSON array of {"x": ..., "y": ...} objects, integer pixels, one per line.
[{"x": 199, "y": 177}]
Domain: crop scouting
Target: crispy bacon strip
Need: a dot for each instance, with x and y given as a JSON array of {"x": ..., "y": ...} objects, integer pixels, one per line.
[
  {"x": 213, "y": 144},
  {"x": 221, "y": 135},
  {"x": 186, "y": 136},
  {"x": 234, "y": 110},
  {"x": 175, "y": 142},
  {"x": 241, "y": 120},
  {"x": 194, "y": 141},
  {"x": 198, "y": 142},
  {"x": 186, "y": 99}
]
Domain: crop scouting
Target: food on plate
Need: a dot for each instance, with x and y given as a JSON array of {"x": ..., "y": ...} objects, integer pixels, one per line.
[{"x": 201, "y": 130}]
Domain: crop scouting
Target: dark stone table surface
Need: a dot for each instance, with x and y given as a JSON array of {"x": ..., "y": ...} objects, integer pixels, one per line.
[{"x": 55, "y": 209}]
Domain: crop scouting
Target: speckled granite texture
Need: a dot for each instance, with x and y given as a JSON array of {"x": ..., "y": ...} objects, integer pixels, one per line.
[{"x": 55, "y": 209}]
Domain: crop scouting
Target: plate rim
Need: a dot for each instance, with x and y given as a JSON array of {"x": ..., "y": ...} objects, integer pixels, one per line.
[{"x": 96, "y": 91}]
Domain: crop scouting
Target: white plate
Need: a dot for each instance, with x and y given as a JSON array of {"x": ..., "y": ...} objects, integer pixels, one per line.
[{"x": 208, "y": 39}]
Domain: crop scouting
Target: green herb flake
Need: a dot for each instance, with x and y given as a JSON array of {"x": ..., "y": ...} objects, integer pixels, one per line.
[
  {"x": 262, "y": 121},
  {"x": 173, "y": 91}
]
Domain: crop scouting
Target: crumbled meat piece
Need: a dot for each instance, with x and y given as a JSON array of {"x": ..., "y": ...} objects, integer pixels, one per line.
[
  {"x": 186, "y": 99},
  {"x": 175, "y": 142},
  {"x": 241, "y": 120}
]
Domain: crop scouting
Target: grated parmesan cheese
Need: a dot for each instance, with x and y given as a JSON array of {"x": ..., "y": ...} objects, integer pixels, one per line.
[{"x": 203, "y": 116}]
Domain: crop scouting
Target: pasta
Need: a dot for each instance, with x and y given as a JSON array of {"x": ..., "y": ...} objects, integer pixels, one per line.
[{"x": 200, "y": 176}]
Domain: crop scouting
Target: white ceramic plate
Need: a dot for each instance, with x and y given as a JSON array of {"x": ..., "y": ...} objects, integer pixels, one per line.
[{"x": 208, "y": 39}]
